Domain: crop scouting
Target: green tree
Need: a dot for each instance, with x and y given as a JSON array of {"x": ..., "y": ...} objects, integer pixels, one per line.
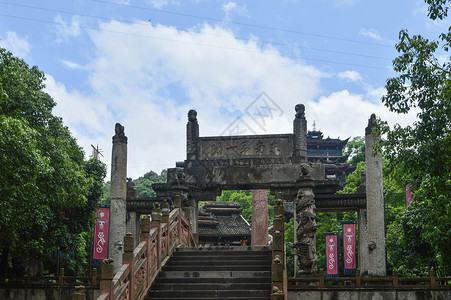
[
  {"x": 422, "y": 151},
  {"x": 354, "y": 180},
  {"x": 355, "y": 148},
  {"x": 144, "y": 183},
  {"x": 244, "y": 197},
  {"x": 48, "y": 193}
]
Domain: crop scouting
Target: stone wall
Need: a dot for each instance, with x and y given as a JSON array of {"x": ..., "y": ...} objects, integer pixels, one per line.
[
  {"x": 370, "y": 294},
  {"x": 45, "y": 293}
]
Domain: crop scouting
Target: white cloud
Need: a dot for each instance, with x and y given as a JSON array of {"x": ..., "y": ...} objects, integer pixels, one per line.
[
  {"x": 20, "y": 47},
  {"x": 149, "y": 83},
  {"x": 66, "y": 30},
  {"x": 71, "y": 65},
  {"x": 158, "y": 3},
  {"x": 371, "y": 33},
  {"x": 230, "y": 8},
  {"x": 161, "y": 3},
  {"x": 350, "y": 76},
  {"x": 344, "y": 114},
  {"x": 148, "y": 78}
]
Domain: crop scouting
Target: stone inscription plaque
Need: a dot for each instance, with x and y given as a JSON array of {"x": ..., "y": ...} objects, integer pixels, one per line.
[{"x": 246, "y": 146}]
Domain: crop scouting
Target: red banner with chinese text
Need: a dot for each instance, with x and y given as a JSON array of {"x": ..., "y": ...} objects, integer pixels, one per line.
[
  {"x": 331, "y": 255},
  {"x": 349, "y": 232},
  {"x": 100, "y": 249}
]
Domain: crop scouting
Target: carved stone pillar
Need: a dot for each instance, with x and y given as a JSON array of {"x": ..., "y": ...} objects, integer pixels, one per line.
[
  {"x": 192, "y": 135},
  {"x": 305, "y": 245},
  {"x": 300, "y": 134},
  {"x": 133, "y": 224},
  {"x": 375, "y": 203},
  {"x": 362, "y": 230},
  {"x": 363, "y": 241},
  {"x": 259, "y": 223},
  {"x": 118, "y": 197}
]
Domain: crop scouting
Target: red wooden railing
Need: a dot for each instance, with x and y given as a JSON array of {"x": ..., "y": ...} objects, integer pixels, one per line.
[{"x": 141, "y": 265}]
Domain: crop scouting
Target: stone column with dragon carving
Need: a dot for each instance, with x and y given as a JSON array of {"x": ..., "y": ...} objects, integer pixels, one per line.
[
  {"x": 305, "y": 225},
  {"x": 305, "y": 245}
]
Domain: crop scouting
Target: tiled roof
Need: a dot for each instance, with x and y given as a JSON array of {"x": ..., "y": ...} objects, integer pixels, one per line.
[
  {"x": 222, "y": 205},
  {"x": 226, "y": 226}
]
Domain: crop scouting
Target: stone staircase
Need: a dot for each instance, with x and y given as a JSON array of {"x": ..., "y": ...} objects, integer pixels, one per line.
[{"x": 215, "y": 273}]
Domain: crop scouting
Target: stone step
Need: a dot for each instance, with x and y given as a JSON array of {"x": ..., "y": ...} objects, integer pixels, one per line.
[
  {"x": 209, "y": 294},
  {"x": 230, "y": 267},
  {"x": 214, "y": 274},
  {"x": 213, "y": 280},
  {"x": 176, "y": 286},
  {"x": 224, "y": 254},
  {"x": 218, "y": 262},
  {"x": 218, "y": 257},
  {"x": 228, "y": 249},
  {"x": 215, "y": 298}
]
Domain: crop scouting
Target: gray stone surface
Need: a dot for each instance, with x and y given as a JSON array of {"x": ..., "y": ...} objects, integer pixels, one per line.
[
  {"x": 375, "y": 203},
  {"x": 192, "y": 135},
  {"x": 118, "y": 197},
  {"x": 378, "y": 295},
  {"x": 304, "y": 295},
  {"x": 45, "y": 293},
  {"x": 245, "y": 162},
  {"x": 300, "y": 133},
  {"x": 369, "y": 294},
  {"x": 363, "y": 242},
  {"x": 421, "y": 294}
]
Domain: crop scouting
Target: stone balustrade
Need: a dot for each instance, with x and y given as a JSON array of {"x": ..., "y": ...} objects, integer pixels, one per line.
[{"x": 160, "y": 236}]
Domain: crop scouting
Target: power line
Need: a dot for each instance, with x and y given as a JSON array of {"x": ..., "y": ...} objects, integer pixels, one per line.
[
  {"x": 244, "y": 24},
  {"x": 238, "y": 38},
  {"x": 193, "y": 43}
]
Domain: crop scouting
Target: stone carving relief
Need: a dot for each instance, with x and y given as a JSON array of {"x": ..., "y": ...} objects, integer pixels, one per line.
[
  {"x": 245, "y": 148},
  {"x": 305, "y": 247}
]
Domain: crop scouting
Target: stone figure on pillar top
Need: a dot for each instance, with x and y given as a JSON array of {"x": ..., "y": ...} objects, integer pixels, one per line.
[{"x": 192, "y": 116}]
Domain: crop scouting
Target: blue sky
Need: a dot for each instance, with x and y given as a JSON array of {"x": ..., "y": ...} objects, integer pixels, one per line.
[{"x": 146, "y": 63}]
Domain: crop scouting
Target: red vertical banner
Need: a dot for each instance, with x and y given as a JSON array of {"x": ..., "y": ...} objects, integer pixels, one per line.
[
  {"x": 100, "y": 249},
  {"x": 409, "y": 193},
  {"x": 331, "y": 255},
  {"x": 349, "y": 233}
]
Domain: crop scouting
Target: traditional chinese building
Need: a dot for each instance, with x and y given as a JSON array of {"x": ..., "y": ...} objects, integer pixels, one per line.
[
  {"x": 330, "y": 153},
  {"x": 221, "y": 223}
]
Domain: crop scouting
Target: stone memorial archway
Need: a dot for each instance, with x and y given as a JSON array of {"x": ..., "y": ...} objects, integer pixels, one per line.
[{"x": 276, "y": 162}]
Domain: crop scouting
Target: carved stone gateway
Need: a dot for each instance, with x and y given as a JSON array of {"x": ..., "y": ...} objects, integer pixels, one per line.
[{"x": 277, "y": 162}]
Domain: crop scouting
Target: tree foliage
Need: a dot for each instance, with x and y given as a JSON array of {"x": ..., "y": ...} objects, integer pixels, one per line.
[
  {"x": 48, "y": 192},
  {"x": 144, "y": 183},
  {"x": 244, "y": 197},
  {"x": 422, "y": 151},
  {"x": 355, "y": 148}
]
